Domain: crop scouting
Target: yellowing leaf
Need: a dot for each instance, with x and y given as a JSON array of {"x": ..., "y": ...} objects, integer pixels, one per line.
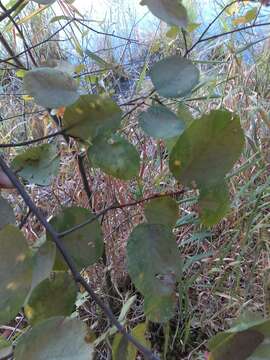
[
  {"x": 192, "y": 27},
  {"x": 248, "y": 17},
  {"x": 20, "y": 73}
]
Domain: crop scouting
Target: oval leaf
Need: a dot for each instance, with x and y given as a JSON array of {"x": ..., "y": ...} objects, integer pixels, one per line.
[
  {"x": 124, "y": 350},
  {"x": 61, "y": 288},
  {"x": 6, "y": 213},
  {"x": 38, "y": 165},
  {"x": 56, "y": 338},
  {"x": 214, "y": 203},
  {"x": 91, "y": 116},
  {"x": 154, "y": 266},
  {"x": 170, "y": 11},
  {"x": 15, "y": 272},
  {"x": 174, "y": 77},
  {"x": 43, "y": 262},
  {"x": 161, "y": 123},
  {"x": 162, "y": 211},
  {"x": 208, "y": 149},
  {"x": 85, "y": 245},
  {"x": 51, "y": 88},
  {"x": 44, "y": 2},
  {"x": 115, "y": 156}
]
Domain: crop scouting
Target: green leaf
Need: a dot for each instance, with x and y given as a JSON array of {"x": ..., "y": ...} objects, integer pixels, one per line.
[
  {"x": 6, "y": 213},
  {"x": 85, "y": 245},
  {"x": 162, "y": 211},
  {"x": 115, "y": 156},
  {"x": 56, "y": 338},
  {"x": 173, "y": 32},
  {"x": 51, "y": 88},
  {"x": 61, "y": 288},
  {"x": 154, "y": 266},
  {"x": 44, "y": 2},
  {"x": 43, "y": 262},
  {"x": 174, "y": 77},
  {"x": 5, "y": 348},
  {"x": 15, "y": 272},
  {"x": 123, "y": 350},
  {"x": 98, "y": 59},
  {"x": 120, "y": 348},
  {"x": 208, "y": 149},
  {"x": 170, "y": 11},
  {"x": 91, "y": 116},
  {"x": 214, "y": 203},
  {"x": 38, "y": 165},
  {"x": 247, "y": 340},
  {"x": 139, "y": 334},
  {"x": 184, "y": 114},
  {"x": 161, "y": 123}
]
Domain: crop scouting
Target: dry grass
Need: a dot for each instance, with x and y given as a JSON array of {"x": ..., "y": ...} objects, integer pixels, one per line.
[{"x": 224, "y": 267}]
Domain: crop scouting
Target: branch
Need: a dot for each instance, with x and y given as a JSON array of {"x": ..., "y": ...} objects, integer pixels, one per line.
[
  {"x": 69, "y": 261},
  {"x": 29, "y": 142},
  {"x": 36, "y": 45},
  {"x": 118, "y": 206},
  {"x": 9, "y": 11},
  {"x": 203, "y": 39},
  {"x": 20, "y": 33}
]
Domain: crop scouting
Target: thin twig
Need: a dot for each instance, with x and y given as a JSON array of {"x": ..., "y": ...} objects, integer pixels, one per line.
[
  {"x": 120, "y": 206},
  {"x": 69, "y": 261}
]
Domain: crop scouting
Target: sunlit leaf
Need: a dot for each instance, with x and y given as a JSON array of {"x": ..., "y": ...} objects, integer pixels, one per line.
[
  {"x": 208, "y": 149},
  {"x": 162, "y": 211},
  {"x": 6, "y": 213},
  {"x": 61, "y": 288},
  {"x": 161, "y": 123},
  {"x": 51, "y": 88},
  {"x": 124, "y": 350},
  {"x": 173, "y": 32},
  {"x": 174, "y": 76},
  {"x": 214, "y": 202},
  {"x": 154, "y": 267},
  {"x": 6, "y": 348},
  {"x": 192, "y": 27},
  {"x": 15, "y": 272},
  {"x": 170, "y": 11},
  {"x": 56, "y": 338},
  {"x": 91, "y": 116},
  {"x": 85, "y": 245},
  {"x": 248, "y": 17},
  {"x": 115, "y": 156},
  {"x": 38, "y": 165}
]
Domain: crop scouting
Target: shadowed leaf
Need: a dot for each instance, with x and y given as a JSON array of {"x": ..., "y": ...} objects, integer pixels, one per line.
[
  {"x": 50, "y": 87},
  {"x": 161, "y": 123},
  {"x": 170, "y": 11},
  {"x": 91, "y": 116},
  {"x": 61, "y": 288},
  {"x": 85, "y": 245},
  {"x": 154, "y": 266},
  {"x": 115, "y": 156},
  {"x": 6, "y": 213},
  {"x": 38, "y": 165},
  {"x": 214, "y": 203},
  {"x": 208, "y": 149},
  {"x": 55, "y": 338},
  {"x": 15, "y": 272},
  {"x": 174, "y": 77},
  {"x": 162, "y": 211}
]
